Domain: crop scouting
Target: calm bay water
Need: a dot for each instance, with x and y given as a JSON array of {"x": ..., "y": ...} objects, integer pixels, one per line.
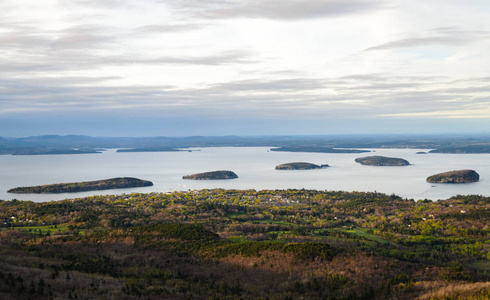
[{"x": 254, "y": 167}]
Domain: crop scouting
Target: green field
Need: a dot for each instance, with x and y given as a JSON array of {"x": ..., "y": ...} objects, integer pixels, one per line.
[{"x": 43, "y": 229}]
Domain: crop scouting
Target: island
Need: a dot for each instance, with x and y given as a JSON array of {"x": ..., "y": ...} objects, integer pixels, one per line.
[
  {"x": 300, "y": 166},
  {"x": 74, "y": 187},
  {"x": 381, "y": 161},
  {"x": 317, "y": 149},
  {"x": 213, "y": 175},
  {"x": 54, "y": 151},
  {"x": 421, "y": 152},
  {"x": 457, "y": 176}
]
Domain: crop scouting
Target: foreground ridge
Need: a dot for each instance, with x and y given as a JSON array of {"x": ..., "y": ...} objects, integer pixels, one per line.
[{"x": 232, "y": 244}]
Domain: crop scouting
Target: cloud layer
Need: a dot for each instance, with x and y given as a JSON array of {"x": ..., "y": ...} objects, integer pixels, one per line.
[{"x": 270, "y": 60}]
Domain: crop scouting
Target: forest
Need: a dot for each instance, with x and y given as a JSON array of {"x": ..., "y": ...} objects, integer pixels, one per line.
[{"x": 246, "y": 244}]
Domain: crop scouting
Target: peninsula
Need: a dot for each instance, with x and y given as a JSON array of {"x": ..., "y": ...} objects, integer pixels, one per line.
[
  {"x": 213, "y": 175},
  {"x": 300, "y": 166},
  {"x": 317, "y": 149},
  {"x": 54, "y": 151},
  {"x": 457, "y": 176},
  {"x": 468, "y": 149},
  {"x": 381, "y": 161},
  {"x": 74, "y": 187},
  {"x": 150, "y": 149}
]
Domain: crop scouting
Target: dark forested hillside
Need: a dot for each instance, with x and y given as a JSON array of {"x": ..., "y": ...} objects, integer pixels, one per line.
[{"x": 246, "y": 244}]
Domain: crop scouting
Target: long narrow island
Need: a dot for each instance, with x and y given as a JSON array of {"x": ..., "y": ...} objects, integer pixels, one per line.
[
  {"x": 300, "y": 166},
  {"x": 84, "y": 186},
  {"x": 213, "y": 175},
  {"x": 381, "y": 161}
]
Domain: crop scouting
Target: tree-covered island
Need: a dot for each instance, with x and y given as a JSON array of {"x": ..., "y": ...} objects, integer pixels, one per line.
[
  {"x": 300, "y": 166},
  {"x": 382, "y": 161},
  {"x": 73, "y": 187},
  {"x": 213, "y": 175},
  {"x": 457, "y": 176},
  {"x": 54, "y": 151}
]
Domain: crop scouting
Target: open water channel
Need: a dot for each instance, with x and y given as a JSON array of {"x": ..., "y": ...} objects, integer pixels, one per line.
[{"x": 254, "y": 167}]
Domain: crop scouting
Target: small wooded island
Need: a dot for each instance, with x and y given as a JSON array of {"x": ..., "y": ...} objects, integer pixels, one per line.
[
  {"x": 73, "y": 187},
  {"x": 457, "y": 176},
  {"x": 381, "y": 161},
  {"x": 213, "y": 175},
  {"x": 300, "y": 166}
]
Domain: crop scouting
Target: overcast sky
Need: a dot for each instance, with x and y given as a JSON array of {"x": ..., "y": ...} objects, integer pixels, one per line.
[{"x": 252, "y": 67}]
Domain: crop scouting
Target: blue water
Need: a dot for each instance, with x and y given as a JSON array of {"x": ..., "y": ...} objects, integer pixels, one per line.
[{"x": 254, "y": 166}]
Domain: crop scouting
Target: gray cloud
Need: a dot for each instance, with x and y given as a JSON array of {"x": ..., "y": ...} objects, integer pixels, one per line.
[
  {"x": 361, "y": 96},
  {"x": 170, "y": 28},
  {"x": 84, "y": 60},
  {"x": 277, "y": 9},
  {"x": 283, "y": 85},
  {"x": 447, "y": 36},
  {"x": 82, "y": 37},
  {"x": 229, "y": 57}
]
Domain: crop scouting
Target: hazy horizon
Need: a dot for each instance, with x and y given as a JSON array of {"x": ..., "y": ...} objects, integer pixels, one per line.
[{"x": 455, "y": 135}]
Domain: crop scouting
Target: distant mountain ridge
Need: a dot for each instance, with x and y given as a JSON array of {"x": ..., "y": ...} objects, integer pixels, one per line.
[{"x": 45, "y": 144}]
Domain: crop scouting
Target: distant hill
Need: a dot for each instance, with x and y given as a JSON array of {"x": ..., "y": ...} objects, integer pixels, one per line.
[
  {"x": 458, "y": 176},
  {"x": 381, "y": 161},
  {"x": 49, "y": 144},
  {"x": 299, "y": 166},
  {"x": 213, "y": 175}
]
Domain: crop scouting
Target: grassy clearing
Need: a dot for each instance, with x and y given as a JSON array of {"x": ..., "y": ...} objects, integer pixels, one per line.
[
  {"x": 231, "y": 215},
  {"x": 351, "y": 235},
  {"x": 482, "y": 266},
  {"x": 363, "y": 232},
  {"x": 272, "y": 222},
  {"x": 44, "y": 229},
  {"x": 238, "y": 239}
]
